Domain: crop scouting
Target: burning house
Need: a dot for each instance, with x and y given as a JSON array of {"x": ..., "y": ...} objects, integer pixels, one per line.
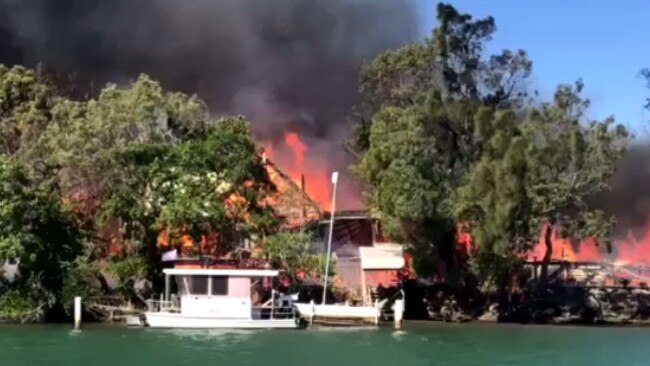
[{"x": 364, "y": 260}]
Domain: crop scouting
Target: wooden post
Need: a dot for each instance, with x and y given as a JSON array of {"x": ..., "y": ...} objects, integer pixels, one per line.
[
  {"x": 364, "y": 289},
  {"x": 77, "y": 313},
  {"x": 313, "y": 311}
]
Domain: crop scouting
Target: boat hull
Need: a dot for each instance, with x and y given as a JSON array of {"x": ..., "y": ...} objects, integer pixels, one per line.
[
  {"x": 365, "y": 313},
  {"x": 177, "y": 320}
]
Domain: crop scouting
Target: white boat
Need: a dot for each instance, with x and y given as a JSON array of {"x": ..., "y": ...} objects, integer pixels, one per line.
[
  {"x": 218, "y": 298},
  {"x": 333, "y": 312}
]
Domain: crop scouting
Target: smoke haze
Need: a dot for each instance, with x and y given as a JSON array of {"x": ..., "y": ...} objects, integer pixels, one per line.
[
  {"x": 288, "y": 65},
  {"x": 629, "y": 199}
]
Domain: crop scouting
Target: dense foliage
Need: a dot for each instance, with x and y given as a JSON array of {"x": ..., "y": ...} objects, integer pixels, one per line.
[
  {"x": 39, "y": 235},
  {"x": 534, "y": 175},
  {"x": 76, "y": 175},
  {"x": 293, "y": 253},
  {"x": 214, "y": 183},
  {"x": 448, "y": 139}
]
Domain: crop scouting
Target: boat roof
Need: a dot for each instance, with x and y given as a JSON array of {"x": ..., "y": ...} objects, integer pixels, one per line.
[{"x": 221, "y": 272}]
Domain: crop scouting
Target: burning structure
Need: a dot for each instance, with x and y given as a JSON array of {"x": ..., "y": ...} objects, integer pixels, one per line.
[
  {"x": 364, "y": 261},
  {"x": 584, "y": 262}
]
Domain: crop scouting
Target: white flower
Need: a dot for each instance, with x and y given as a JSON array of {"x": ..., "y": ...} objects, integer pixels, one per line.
[{"x": 223, "y": 187}]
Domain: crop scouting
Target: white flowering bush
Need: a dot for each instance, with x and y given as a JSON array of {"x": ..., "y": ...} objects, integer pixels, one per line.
[{"x": 198, "y": 187}]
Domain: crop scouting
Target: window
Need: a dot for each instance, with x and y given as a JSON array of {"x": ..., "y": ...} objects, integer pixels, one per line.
[
  {"x": 219, "y": 285},
  {"x": 184, "y": 285},
  {"x": 199, "y": 285}
]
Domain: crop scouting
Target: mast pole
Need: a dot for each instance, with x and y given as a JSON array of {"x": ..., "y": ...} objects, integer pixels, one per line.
[{"x": 335, "y": 178}]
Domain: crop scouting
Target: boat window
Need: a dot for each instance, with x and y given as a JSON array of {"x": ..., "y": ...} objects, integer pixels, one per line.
[
  {"x": 199, "y": 285},
  {"x": 184, "y": 285},
  {"x": 219, "y": 286}
]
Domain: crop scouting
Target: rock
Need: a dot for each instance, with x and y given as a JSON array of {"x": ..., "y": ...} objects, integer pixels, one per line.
[
  {"x": 489, "y": 317},
  {"x": 461, "y": 317}
]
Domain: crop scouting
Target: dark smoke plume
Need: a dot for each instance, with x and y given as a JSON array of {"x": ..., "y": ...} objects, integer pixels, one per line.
[
  {"x": 288, "y": 62},
  {"x": 285, "y": 64},
  {"x": 629, "y": 199}
]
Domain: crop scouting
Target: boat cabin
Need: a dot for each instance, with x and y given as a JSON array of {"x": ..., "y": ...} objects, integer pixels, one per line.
[{"x": 218, "y": 293}]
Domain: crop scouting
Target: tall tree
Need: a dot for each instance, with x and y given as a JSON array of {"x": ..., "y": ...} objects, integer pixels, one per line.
[
  {"x": 537, "y": 175},
  {"x": 414, "y": 131},
  {"x": 38, "y": 233}
]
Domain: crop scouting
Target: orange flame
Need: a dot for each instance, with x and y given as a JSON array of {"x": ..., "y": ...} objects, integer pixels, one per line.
[
  {"x": 298, "y": 164},
  {"x": 629, "y": 250}
]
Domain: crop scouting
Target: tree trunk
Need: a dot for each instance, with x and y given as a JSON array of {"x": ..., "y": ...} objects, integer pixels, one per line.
[{"x": 548, "y": 232}]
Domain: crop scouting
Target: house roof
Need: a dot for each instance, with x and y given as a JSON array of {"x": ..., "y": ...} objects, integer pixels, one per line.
[
  {"x": 221, "y": 272},
  {"x": 291, "y": 202}
]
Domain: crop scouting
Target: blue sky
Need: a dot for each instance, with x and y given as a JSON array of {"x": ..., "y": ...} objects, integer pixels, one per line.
[{"x": 602, "y": 42}]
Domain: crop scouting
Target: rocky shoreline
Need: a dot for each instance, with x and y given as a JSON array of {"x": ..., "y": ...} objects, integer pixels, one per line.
[{"x": 577, "y": 306}]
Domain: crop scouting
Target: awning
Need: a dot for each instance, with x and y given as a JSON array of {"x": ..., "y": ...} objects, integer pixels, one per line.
[{"x": 382, "y": 256}]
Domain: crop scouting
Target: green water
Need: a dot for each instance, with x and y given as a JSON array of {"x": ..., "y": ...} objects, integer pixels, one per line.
[{"x": 418, "y": 344}]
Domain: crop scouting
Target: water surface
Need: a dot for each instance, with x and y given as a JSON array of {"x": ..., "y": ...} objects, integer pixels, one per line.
[{"x": 418, "y": 344}]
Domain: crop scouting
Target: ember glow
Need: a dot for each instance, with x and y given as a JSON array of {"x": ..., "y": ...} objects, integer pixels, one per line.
[{"x": 293, "y": 156}]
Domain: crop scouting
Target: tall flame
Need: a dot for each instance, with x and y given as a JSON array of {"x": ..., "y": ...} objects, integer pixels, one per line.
[{"x": 292, "y": 157}]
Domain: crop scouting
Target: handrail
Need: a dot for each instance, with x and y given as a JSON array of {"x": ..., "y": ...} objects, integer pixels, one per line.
[
  {"x": 162, "y": 306},
  {"x": 282, "y": 312}
]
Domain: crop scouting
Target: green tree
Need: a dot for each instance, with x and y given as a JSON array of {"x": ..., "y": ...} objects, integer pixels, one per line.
[
  {"x": 450, "y": 63},
  {"x": 144, "y": 157},
  {"x": 414, "y": 130},
  {"x": 535, "y": 176},
  {"x": 214, "y": 183},
  {"x": 25, "y": 109},
  {"x": 38, "y": 233},
  {"x": 83, "y": 137},
  {"x": 292, "y": 253}
]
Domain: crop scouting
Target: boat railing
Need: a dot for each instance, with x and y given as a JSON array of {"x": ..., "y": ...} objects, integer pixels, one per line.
[
  {"x": 265, "y": 312},
  {"x": 277, "y": 307},
  {"x": 163, "y": 306}
]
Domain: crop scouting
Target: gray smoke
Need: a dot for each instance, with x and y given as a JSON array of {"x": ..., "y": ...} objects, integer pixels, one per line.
[
  {"x": 285, "y": 64},
  {"x": 629, "y": 198}
]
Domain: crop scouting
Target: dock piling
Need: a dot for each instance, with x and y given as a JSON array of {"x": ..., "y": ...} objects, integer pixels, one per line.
[
  {"x": 77, "y": 313},
  {"x": 398, "y": 313}
]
